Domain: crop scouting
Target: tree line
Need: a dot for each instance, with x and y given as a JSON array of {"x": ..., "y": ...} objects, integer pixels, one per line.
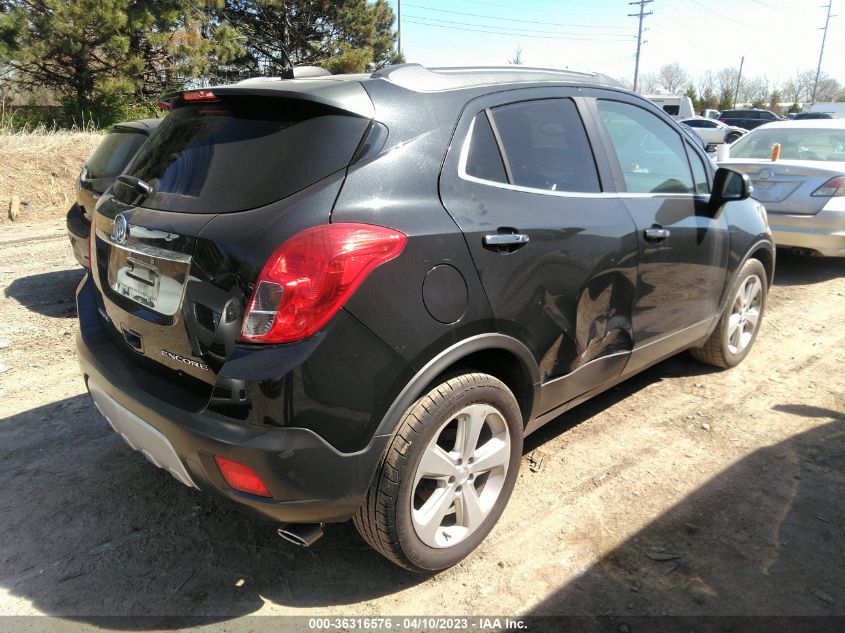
[
  {"x": 105, "y": 60},
  {"x": 718, "y": 90}
]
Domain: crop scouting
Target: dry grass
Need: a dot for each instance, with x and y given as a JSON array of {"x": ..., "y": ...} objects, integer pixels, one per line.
[{"x": 41, "y": 166}]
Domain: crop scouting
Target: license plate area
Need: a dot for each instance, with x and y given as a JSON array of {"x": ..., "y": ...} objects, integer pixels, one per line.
[{"x": 153, "y": 282}]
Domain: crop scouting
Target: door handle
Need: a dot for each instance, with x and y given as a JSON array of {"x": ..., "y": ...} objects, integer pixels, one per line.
[
  {"x": 656, "y": 234},
  {"x": 505, "y": 239}
]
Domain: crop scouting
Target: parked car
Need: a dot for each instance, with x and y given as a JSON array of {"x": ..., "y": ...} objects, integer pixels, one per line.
[
  {"x": 749, "y": 118},
  {"x": 710, "y": 114},
  {"x": 801, "y": 116},
  {"x": 804, "y": 190},
  {"x": 712, "y": 131},
  {"x": 108, "y": 160},
  {"x": 352, "y": 297}
]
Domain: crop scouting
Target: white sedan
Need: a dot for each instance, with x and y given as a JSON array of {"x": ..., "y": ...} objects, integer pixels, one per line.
[{"x": 713, "y": 131}]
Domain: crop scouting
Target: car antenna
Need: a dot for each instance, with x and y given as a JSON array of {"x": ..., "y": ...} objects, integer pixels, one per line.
[{"x": 287, "y": 64}]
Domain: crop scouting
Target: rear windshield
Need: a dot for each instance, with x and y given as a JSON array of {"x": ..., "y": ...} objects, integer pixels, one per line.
[
  {"x": 112, "y": 155},
  {"x": 242, "y": 152},
  {"x": 795, "y": 144}
]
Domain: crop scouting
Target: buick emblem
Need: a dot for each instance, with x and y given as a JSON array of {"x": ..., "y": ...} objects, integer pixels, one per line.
[{"x": 120, "y": 229}]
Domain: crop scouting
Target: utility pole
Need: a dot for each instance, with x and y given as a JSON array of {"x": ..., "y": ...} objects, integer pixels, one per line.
[
  {"x": 821, "y": 52},
  {"x": 640, "y": 15},
  {"x": 399, "y": 25},
  {"x": 739, "y": 79}
]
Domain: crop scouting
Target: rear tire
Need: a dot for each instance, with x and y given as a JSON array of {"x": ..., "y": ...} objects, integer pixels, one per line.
[
  {"x": 446, "y": 476},
  {"x": 737, "y": 329}
]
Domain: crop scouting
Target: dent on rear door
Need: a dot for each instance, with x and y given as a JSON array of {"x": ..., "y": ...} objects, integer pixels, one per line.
[{"x": 568, "y": 292}]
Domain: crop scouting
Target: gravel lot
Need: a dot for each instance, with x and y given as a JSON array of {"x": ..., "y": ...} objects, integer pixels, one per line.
[{"x": 682, "y": 491}]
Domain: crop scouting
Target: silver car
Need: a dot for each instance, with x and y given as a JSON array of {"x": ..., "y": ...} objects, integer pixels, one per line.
[{"x": 804, "y": 189}]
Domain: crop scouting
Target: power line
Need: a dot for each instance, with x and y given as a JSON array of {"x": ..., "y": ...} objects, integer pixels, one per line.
[
  {"x": 491, "y": 17},
  {"x": 524, "y": 31},
  {"x": 641, "y": 15},
  {"x": 721, "y": 15},
  {"x": 526, "y": 35}
]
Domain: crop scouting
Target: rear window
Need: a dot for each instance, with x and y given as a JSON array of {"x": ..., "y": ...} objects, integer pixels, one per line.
[
  {"x": 242, "y": 152},
  {"x": 795, "y": 144},
  {"x": 112, "y": 155},
  {"x": 546, "y": 146}
]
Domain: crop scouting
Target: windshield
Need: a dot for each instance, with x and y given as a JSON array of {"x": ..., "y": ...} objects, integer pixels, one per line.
[
  {"x": 113, "y": 153},
  {"x": 795, "y": 144},
  {"x": 242, "y": 152}
]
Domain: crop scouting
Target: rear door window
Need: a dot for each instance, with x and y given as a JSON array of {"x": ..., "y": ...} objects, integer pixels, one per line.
[
  {"x": 545, "y": 146},
  {"x": 113, "y": 153},
  {"x": 651, "y": 153},
  {"x": 242, "y": 152}
]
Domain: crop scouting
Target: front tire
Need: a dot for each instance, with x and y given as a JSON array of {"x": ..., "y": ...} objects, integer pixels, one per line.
[
  {"x": 447, "y": 474},
  {"x": 737, "y": 329},
  {"x": 733, "y": 136}
]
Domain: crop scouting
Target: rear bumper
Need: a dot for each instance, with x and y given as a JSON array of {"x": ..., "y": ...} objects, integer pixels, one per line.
[
  {"x": 77, "y": 231},
  {"x": 823, "y": 232},
  {"x": 310, "y": 481}
]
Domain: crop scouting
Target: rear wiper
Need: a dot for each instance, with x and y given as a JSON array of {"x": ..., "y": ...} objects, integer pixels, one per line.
[{"x": 137, "y": 185}]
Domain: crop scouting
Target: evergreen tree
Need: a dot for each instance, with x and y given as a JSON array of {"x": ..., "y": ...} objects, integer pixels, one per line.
[{"x": 343, "y": 37}]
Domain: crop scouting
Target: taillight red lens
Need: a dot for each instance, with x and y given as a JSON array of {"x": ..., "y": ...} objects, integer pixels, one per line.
[
  {"x": 309, "y": 277},
  {"x": 833, "y": 187},
  {"x": 241, "y": 477}
]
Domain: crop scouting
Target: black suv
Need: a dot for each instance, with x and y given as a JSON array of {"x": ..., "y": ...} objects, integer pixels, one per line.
[
  {"x": 748, "y": 118},
  {"x": 99, "y": 172},
  {"x": 353, "y": 296}
]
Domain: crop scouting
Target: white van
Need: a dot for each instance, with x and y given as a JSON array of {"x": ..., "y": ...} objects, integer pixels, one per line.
[{"x": 676, "y": 106}]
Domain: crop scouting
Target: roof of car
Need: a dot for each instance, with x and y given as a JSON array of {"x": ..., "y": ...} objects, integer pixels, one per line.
[
  {"x": 347, "y": 91},
  {"x": 142, "y": 125}
]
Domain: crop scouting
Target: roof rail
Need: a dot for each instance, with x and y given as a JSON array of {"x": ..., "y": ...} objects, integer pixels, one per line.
[{"x": 421, "y": 79}]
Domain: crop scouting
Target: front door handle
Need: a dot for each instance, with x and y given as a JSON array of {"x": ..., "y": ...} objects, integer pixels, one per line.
[
  {"x": 656, "y": 234},
  {"x": 505, "y": 239}
]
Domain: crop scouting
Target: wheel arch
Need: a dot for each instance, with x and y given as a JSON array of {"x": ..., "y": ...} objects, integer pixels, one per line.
[{"x": 501, "y": 356}]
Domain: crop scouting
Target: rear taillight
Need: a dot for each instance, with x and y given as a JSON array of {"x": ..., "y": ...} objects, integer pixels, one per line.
[
  {"x": 309, "y": 277},
  {"x": 241, "y": 477},
  {"x": 833, "y": 187}
]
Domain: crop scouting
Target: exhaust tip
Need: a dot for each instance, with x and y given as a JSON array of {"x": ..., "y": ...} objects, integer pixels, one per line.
[{"x": 301, "y": 534}]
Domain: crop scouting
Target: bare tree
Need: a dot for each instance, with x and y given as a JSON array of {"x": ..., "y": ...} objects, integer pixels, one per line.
[
  {"x": 673, "y": 77},
  {"x": 706, "y": 82},
  {"x": 798, "y": 87},
  {"x": 648, "y": 83},
  {"x": 517, "y": 60},
  {"x": 754, "y": 90}
]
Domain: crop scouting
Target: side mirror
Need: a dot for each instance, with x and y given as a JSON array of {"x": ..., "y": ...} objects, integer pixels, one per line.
[
  {"x": 728, "y": 185},
  {"x": 711, "y": 148}
]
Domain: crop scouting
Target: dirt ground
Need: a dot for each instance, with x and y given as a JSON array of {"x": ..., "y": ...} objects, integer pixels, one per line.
[{"x": 683, "y": 491}]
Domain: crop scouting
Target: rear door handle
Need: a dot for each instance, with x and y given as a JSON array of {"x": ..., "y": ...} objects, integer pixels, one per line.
[
  {"x": 656, "y": 234},
  {"x": 505, "y": 239}
]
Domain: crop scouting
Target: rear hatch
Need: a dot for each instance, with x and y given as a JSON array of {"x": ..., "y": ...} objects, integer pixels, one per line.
[{"x": 183, "y": 233}]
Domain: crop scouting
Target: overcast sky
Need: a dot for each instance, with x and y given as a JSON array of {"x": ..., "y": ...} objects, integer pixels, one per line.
[{"x": 777, "y": 37}]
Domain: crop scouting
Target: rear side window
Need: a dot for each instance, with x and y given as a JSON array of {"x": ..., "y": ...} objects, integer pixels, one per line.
[
  {"x": 242, "y": 152},
  {"x": 113, "y": 153},
  {"x": 545, "y": 146},
  {"x": 672, "y": 109},
  {"x": 650, "y": 152},
  {"x": 483, "y": 159}
]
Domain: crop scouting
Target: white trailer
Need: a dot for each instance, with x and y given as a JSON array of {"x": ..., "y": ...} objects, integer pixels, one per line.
[{"x": 676, "y": 106}]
